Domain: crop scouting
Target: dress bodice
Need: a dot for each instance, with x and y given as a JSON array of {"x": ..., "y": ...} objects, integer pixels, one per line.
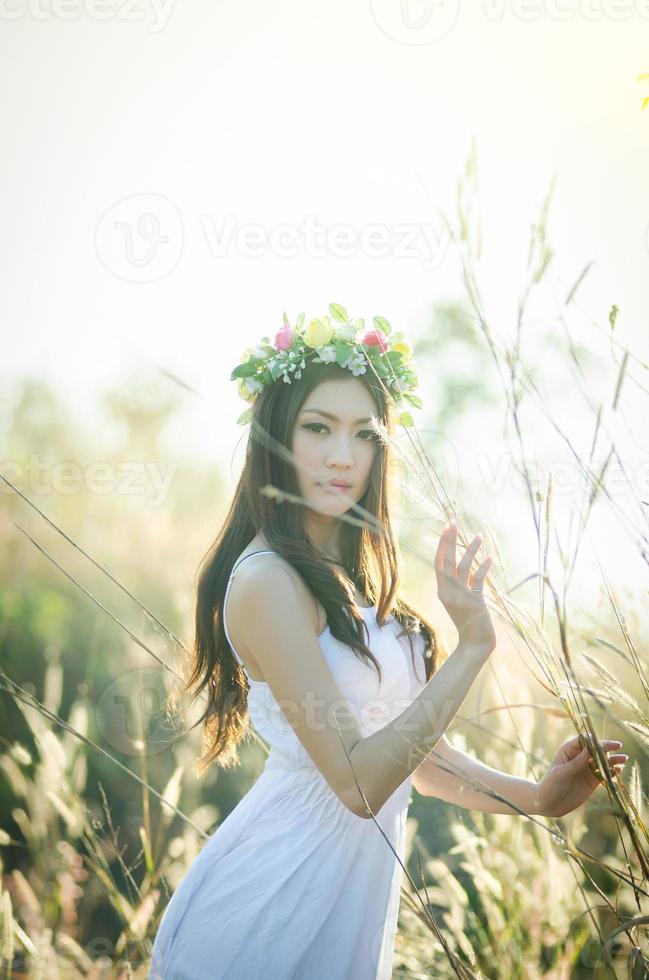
[{"x": 374, "y": 703}]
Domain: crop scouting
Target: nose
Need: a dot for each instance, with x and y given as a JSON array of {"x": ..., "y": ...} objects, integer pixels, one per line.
[{"x": 340, "y": 452}]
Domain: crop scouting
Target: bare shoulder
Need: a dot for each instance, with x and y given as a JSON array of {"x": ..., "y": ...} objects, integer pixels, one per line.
[
  {"x": 265, "y": 574},
  {"x": 281, "y": 635}
]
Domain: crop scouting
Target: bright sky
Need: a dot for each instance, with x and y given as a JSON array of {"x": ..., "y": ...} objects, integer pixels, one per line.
[{"x": 176, "y": 176}]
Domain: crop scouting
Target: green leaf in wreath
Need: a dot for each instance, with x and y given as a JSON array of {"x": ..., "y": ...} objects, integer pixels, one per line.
[
  {"x": 373, "y": 353},
  {"x": 380, "y": 323},
  {"x": 245, "y": 370},
  {"x": 414, "y": 400},
  {"x": 405, "y": 418},
  {"x": 395, "y": 357},
  {"x": 343, "y": 352},
  {"x": 338, "y": 312}
]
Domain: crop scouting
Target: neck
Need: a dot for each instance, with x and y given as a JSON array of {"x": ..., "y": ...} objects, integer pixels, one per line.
[
  {"x": 326, "y": 553},
  {"x": 324, "y": 535}
]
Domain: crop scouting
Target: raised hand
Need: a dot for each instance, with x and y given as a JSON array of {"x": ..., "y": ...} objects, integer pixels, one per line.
[
  {"x": 460, "y": 592},
  {"x": 573, "y": 775}
]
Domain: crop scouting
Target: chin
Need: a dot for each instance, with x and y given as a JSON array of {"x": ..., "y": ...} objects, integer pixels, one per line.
[{"x": 331, "y": 500}]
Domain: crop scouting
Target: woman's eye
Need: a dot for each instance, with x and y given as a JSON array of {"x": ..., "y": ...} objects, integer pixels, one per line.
[{"x": 311, "y": 426}]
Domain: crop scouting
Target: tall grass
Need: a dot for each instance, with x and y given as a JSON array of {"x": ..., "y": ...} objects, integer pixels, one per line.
[{"x": 513, "y": 896}]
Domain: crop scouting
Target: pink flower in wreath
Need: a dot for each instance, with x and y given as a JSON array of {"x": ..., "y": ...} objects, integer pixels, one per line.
[
  {"x": 284, "y": 338},
  {"x": 374, "y": 338}
]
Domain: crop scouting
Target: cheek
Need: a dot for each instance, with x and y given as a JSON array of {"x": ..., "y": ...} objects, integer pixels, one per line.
[
  {"x": 370, "y": 456},
  {"x": 305, "y": 452},
  {"x": 364, "y": 464}
]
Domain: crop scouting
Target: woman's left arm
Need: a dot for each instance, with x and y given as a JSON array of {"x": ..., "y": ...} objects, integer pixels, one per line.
[{"x": 452, "y": 775}]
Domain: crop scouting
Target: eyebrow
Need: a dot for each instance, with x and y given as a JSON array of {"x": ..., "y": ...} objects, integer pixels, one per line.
[{"x": 333, "y": 418}]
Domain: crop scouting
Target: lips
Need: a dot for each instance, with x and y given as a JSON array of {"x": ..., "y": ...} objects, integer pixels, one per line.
[{"x": 342, "y": 484}]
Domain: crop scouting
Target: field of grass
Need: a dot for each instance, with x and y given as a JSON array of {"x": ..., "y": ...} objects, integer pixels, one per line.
[{"x": 101, "y": 811}]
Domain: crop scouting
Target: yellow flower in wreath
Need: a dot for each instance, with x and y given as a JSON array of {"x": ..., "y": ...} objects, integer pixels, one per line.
[{"x": 318, "y": 333}]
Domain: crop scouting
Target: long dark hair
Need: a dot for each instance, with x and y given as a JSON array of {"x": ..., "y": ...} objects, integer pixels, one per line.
[{"x": 369, "y": 553}]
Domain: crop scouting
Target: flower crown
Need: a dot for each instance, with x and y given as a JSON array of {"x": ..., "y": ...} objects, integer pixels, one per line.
[{"x": 323, "y": 341}]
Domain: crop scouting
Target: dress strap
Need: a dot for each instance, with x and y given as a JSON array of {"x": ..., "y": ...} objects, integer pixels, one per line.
[{"x": 225, "y": 599}]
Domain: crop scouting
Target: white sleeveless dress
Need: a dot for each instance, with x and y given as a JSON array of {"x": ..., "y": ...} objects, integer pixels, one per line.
[{"x": 292, "y": 885}]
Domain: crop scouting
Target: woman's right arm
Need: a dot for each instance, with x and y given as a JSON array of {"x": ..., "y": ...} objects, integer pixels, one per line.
[
  {"x": 271, "y": 612},
  {"x": 384, "y": 759}
]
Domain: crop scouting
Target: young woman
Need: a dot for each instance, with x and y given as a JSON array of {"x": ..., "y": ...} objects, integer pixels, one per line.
[{"x": 302, "y": 630}]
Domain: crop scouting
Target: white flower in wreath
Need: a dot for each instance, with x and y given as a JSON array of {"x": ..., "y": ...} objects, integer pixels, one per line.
[
  {"x": 252, "y": 386},
  {"x": 398, "y": 385},
  {"x": 346, "y": 331},
  {"x": 326, "y": 355},
  {"x": 356, "y": 363}
]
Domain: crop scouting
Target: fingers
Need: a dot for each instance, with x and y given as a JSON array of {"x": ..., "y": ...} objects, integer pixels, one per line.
[
  {"x": 578, "y": 754},
  {"x": 481, "y": 574},
  {"x": 465, "y": 562},
  {"x": 445, "y": 554},
  {"x": 616, "y": 761},
  {"x": 445, "y": 558},
  {"x": 450, "y": 534},
  {"x": 620, "y": 759},
  {"x": 608, "y": 744},
  {"x": 441, "y": 550},
  {"x": 616, "y": 765},
  {"x": 576, "y": 763}
]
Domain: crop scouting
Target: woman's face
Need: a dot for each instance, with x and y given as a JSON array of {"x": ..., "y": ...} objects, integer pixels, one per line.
[{"x": 341, "y": 447}]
